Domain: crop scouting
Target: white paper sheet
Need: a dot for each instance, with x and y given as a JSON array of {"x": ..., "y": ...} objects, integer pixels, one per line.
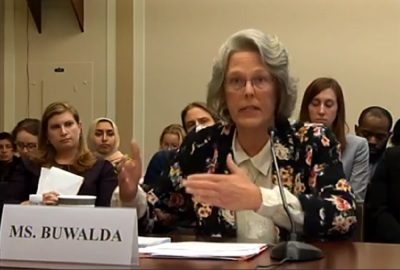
[
  {"x": 210, "y": 250},
  {"x": 152, "y": 241},
  {"x": 42, "y": 180},
  {"x": 58, "y": 180}
]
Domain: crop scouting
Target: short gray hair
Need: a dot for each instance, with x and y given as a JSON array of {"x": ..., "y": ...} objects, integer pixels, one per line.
[{"x": 275, "y": 58}]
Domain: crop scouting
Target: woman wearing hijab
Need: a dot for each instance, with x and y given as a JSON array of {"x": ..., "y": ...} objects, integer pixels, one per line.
[{"x": 104, "y": 140}]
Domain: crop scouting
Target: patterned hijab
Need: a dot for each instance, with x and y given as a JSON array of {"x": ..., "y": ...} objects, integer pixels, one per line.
[{"x": 115, "y": 155}]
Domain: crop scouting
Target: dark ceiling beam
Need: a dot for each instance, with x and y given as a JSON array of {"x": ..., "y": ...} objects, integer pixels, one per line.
[
  {"x": 78, "y": 6},
  {"x": 35, "y": 7}
]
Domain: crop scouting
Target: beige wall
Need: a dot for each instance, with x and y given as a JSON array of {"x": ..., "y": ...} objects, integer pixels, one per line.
[
  {"x": 357, "y": 42},
  {"x": 104, "y": 51},
  {"x": 164, "y": 51},
  {"x": 124, "y": 70},
  {"x": 1, "y": 62},
  {"x": 60, "y": 42}
]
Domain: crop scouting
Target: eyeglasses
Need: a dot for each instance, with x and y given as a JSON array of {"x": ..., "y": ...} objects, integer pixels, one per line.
[
  {"x": 29, "y": 146},
  {"x": 258, "y": 83}
]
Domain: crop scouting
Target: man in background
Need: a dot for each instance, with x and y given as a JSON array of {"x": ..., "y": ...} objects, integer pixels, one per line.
[{"x": 374, "y": 124}]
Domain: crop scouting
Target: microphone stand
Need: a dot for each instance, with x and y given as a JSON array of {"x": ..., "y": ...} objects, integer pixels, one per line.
[{"x": 291, "y": 250}]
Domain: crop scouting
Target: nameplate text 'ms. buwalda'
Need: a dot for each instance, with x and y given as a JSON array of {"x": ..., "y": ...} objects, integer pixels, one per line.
[{"x": 69, "y": 234}]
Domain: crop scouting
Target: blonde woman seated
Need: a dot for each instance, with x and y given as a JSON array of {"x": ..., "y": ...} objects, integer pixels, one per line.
[
  {"x": 223, "y": 176},
  {"x": 61, "y": 144},
  {"x": 171, "y": 137},
  {"x": 104, "y": 140}
]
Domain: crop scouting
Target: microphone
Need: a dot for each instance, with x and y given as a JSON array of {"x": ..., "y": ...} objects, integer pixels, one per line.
[{"x": 291, "y": 250}]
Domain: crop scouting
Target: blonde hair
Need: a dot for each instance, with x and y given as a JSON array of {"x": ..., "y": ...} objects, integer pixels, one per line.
[
  {"x": 46, "y": 152},
  {"x": 275, "y": 57},
  {"x": 175, "y": 129}
]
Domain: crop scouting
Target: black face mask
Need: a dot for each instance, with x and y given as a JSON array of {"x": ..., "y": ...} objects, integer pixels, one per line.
[{"x": 375, "y": 153}]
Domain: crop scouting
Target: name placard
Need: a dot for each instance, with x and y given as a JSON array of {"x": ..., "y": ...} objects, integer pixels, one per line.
[{"x": 69, "y": 234}]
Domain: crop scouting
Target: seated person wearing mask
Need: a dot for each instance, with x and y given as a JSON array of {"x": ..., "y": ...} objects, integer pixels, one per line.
[{"x": 195, "y": 114}]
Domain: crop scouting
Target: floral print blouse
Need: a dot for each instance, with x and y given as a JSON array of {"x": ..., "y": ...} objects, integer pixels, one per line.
[{"x": 309, "y": 160}]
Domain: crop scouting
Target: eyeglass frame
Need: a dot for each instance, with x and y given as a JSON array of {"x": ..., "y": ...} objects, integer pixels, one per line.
[
  {"x": 28, "y": 146},
  {"x": 241, "y": 86}
]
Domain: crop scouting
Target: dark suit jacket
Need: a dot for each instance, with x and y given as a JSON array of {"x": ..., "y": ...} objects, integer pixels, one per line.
[
  {"x": 383, "y": 200},
  {"x": 99, "y": 181},
  {"x": 159, "y": 163},
  {"x": 6, "y": 172}
]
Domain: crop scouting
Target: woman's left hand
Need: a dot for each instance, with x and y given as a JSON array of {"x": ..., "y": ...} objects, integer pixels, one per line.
[
  {"x": 130, "y": 174},
  {"x": 234, "y": 191},
  {"x": 50, "y": 198}
]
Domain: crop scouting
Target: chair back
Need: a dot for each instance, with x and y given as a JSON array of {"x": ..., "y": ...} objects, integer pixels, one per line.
[{"x": 358, "y": 235}]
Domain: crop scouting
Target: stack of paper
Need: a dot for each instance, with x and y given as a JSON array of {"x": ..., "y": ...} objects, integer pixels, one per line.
[
  {"x": 152, "y": 241},
  {"x": 58, "y": 180},
  {"x": 204, "y": 250}
]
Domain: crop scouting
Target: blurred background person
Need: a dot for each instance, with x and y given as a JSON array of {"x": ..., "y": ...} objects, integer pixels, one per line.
[
  {"x": 61, "y": 144},
  {"x": 323, "y": 102},
  {"x": 25, "y": 135},
  {"x": 374, "y": 124},
  {"x": 172, "y": 137}
]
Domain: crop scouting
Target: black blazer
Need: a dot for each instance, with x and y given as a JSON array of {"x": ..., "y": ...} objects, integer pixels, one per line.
[
  {"x": 99, "y": 181},
  {"x": 383, "y": 200},
  {"x": 159, "y": 163}
]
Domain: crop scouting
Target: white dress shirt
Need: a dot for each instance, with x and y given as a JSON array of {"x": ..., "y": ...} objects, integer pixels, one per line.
[
  {"x": 139, "y": 202},
  {"x": 260, "y": 224}
]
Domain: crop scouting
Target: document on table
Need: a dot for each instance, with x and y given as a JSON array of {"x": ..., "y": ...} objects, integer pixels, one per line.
[
  {"x": 204, "y": 250},
  {"x": 145, "y": 241}
]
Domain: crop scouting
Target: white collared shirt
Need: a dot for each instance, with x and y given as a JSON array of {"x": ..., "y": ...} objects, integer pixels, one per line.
[
  {"x": 260, "y": 224},
  {"x": 139, "y": 202}
]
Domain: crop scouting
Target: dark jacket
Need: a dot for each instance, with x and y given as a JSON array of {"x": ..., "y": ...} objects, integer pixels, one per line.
[
  {"x": 159, "y": 163},
  {"x": 7, "y": 169},
  {"x": 309, "y": 161},
  {"x": 99, "y": 181},
  {"x": 382, "y": 202},
  {"x": 6, "y": 172}
]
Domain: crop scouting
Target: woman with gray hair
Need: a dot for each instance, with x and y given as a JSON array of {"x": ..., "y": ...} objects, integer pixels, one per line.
[{"x": 223, "y": 177}]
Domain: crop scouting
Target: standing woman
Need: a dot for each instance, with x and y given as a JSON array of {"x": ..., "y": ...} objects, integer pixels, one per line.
[
  {"x": 323, "y": 102},
  {"x": 61, "y": 144}
]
